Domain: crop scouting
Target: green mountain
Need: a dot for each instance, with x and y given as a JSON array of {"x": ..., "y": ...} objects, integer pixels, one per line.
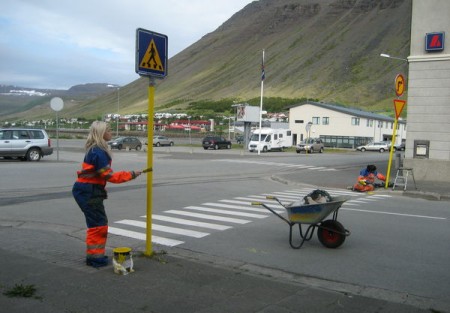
[{"x": 322, "y": 49}]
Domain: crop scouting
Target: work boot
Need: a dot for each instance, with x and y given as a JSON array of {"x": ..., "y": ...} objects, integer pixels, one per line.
[{"x": 97, "y": 262}]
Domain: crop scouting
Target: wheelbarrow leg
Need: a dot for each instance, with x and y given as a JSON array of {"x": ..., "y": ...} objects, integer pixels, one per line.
[{"x": 308, "y": 234}]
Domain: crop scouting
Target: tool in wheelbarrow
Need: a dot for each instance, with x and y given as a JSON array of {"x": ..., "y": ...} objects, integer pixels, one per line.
[{"x": 312, "y": 210}]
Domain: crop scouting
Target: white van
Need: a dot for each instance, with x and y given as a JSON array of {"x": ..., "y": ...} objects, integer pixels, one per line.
[{"x": 271, "y": 139}]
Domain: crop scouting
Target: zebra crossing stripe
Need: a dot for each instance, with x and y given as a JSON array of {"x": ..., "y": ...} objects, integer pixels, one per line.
[
  {"x": 188, "y": 222},
  {"x": 166, "y": 229},
  {"x": 355, "y": 201},
  {"x": 273, "y": 204},
  {"x": 199, "y": 208},
  {"x": 142, "y": 236},
  {"x": 209, "y": 217},
  {"x": 235, "y": 207}
]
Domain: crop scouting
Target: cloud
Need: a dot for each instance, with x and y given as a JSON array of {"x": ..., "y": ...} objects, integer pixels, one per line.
[{"x": 58, "y": 44}]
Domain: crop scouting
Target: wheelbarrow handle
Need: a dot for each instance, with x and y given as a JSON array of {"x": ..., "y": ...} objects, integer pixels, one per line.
[{"x": 271, "y": 210}]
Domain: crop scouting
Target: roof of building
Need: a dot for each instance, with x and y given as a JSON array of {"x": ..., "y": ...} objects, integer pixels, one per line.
[{"x": 350, "y": 111}]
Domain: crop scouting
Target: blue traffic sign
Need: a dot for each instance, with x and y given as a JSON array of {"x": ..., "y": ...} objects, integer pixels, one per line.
[{"x": 151, "y": 53}]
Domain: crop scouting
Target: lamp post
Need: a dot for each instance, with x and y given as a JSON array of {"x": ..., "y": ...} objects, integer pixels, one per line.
[
  {"x": 118, "y": 116},
  {"x": 189, "y": 128},
  {"x": 384, "y": 55}
]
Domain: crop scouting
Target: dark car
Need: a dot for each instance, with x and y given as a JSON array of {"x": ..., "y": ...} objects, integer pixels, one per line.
[
  {"x": 125, "y": 143},
  {"x": 240, "y": 139},
  {"x": 25, "y": 144},
  {"x": 215, "y": 142},
  {"x": 400, "y": 147}
]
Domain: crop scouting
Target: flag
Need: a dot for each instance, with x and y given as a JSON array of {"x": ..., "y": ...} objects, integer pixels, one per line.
[{"x": 263, "y": 72}]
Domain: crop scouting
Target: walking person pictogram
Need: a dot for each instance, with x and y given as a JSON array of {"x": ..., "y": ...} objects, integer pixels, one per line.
[{"x": 151, "y": 59}]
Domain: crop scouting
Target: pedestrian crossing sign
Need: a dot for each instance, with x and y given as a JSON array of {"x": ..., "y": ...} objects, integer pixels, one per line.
[{"x": 151, "y": 53}]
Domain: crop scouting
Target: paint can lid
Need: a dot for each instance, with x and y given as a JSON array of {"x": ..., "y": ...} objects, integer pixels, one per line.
[{"x": 122, "y": 250}]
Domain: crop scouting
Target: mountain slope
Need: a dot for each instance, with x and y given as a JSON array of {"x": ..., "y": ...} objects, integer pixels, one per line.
[{"x": 317, "y": 49}]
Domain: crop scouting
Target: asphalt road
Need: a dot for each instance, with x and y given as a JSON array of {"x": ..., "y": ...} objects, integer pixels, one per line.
[{"x": 201, "y": 204}]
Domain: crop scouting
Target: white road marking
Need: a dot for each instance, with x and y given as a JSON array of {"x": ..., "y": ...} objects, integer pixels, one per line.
[
  {"x": 142, "y": 236},
  {"x": 209, "y": 217}
]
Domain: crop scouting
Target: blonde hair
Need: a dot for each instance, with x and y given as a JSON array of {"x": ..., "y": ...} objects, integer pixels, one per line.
[{"x": 95, "y": 138}]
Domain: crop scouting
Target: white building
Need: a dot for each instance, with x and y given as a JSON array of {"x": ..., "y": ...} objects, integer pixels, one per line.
[{"x": 341, "y": 127}]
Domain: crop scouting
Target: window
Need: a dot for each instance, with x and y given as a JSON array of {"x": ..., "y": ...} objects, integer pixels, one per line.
[
  {"x": 325, "y": 120},
  {"x": 316, "y": 120},
  {"x": 355, "y": 121},
  {"x": 37, "y": 134},
  {"x": 369, "y": 123}
]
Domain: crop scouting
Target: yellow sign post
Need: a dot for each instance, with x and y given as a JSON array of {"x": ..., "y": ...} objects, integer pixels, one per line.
[
  {"x": 151, "y": 61},
  {"x": 398, "y": 105},
  {"x": 151, "y": 105}
]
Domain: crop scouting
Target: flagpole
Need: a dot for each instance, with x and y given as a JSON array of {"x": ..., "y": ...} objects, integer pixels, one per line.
[{"x": 263, "y": 74}]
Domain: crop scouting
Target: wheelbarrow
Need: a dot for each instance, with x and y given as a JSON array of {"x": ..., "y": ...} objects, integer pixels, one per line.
[{"x": 331, "y": 233}]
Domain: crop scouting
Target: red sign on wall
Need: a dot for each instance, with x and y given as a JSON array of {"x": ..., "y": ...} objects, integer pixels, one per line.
[{"x": 435, "y": 41}]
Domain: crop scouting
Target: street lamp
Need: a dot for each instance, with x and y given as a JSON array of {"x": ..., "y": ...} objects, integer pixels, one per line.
[
  {"x": 189, "y": 128},
  {"x": 118, "y": 116},
  {"x": 384, "y": 55}
]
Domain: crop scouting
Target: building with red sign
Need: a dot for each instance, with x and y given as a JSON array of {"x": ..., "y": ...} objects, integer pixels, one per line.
[{"x": 428, "y": 103}]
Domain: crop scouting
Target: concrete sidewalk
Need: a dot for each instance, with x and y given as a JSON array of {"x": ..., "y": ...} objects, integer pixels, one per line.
[{"x": 164, "y": 283}]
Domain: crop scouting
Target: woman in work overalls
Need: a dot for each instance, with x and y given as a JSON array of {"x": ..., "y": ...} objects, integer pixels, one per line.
[{"x": 89, "y": 190}]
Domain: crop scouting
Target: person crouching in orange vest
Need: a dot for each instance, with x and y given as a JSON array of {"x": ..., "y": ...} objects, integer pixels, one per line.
[
  {"x": 366, "y": 179},
  {"x": 89, "y": 190}
]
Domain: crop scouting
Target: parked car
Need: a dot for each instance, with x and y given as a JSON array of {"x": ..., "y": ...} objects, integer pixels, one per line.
[
  {"x": 125, "y": 142},
  {"x": 310, "y": 145},
  {"x": 24, "y": 143},
  {"x": 400, "y": 147},
  {"x": 162, "y": 141},
  {"x": 375, "y": 146},
  {"x": 215, "y": 142}
]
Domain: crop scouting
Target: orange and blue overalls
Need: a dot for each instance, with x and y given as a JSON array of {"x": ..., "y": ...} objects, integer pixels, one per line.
[
  {"x": 89, "y": 193},
  {"x": 366, "y": 180}
]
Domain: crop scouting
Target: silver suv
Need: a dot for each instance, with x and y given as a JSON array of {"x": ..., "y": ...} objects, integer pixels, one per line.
[
  {"x": 310, "y": 145},
  {"x": 24, "y": 143}
]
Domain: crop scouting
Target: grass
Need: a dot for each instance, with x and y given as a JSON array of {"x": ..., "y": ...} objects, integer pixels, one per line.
[{"x": 21, "y": 291}]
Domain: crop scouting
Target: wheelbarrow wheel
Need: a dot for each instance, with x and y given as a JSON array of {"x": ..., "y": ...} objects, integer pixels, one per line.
[{"x": 331, "y": 234}]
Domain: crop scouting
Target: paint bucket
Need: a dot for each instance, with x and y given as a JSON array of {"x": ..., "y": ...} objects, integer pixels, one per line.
[{"x": 122, "y": 261}]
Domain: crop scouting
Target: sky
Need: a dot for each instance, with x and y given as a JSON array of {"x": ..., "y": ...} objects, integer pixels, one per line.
[{"x": 56, "y": 44}]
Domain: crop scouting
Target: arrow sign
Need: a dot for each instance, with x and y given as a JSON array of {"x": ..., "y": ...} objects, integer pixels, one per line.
[
  {"x": 399, "y": 105},
  {"x": 399, "y": 85}
]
